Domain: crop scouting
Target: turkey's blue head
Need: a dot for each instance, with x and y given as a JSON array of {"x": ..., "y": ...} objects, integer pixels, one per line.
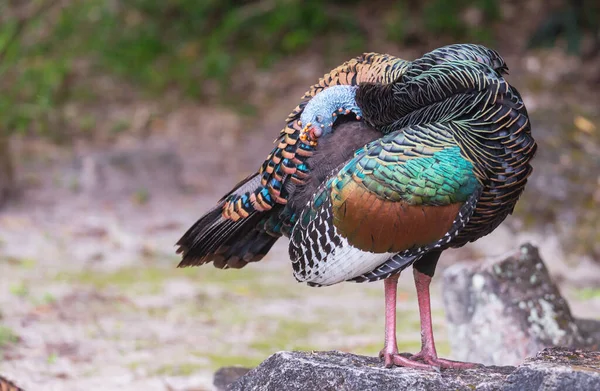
[{"x": 322, "y": 110}]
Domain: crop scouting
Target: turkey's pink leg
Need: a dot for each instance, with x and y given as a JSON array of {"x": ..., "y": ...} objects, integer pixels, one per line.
[
  {"x": 389, "y": 353},
  {"x": 428, "y": 353}
]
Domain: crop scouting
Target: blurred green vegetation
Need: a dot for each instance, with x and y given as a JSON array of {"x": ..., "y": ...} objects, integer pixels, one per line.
[
  {"x": 158, "y": 45},
  {"x": 571, "y": 21},
  {"x": 180, "y": 44},
  {"x": 7, "y": 337}
]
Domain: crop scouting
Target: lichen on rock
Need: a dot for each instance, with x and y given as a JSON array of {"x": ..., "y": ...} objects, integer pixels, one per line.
[{"x": 500, "y": 312}]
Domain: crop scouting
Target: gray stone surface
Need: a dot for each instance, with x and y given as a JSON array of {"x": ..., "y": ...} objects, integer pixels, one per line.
[
  {"x": 502, "y": 311},
  {"x": 551, "y": 369},
  {"x": 557, "y": 369},
  {"x": 228, "y": 375},
  {"x": 590, "y": 329},
  {"x": 305, "y": 371}
]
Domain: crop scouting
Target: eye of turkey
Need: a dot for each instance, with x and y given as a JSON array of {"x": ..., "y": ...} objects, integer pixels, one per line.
[{"x": 424, "y": 155}]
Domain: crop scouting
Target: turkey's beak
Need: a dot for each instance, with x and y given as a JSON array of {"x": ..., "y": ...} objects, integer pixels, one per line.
[
  {"x": 310, "y": 134},
  {"x": 315, "y": 133}
]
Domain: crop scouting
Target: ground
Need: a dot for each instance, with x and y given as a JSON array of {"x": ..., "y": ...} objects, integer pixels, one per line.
[{"x": 90, "y": 297}]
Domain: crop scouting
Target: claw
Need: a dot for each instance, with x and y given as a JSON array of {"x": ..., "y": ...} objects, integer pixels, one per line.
[
  {"x": 435, "y": 361},
  {"x": 395, "y": 359}
]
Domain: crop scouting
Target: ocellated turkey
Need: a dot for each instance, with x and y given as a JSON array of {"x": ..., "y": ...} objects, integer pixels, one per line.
[{"x": 384, "y": 164}]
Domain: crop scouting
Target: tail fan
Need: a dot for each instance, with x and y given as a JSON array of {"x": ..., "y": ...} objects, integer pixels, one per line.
[{"x": 226, "y": 242}]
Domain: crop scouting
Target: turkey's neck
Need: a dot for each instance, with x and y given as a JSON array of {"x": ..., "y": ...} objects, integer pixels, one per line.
[{"x": 377, "y": 103}]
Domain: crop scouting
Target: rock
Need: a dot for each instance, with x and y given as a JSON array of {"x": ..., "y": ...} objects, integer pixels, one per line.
[
  {"x": 552, "y": 369},
  {"x": 590, "y": 329},
  {"x": 501, "y": 312},
  {"x": 228, "y": 375},
  {"x": 557, "y": 369},
  {"x": 299, "y": 371}
]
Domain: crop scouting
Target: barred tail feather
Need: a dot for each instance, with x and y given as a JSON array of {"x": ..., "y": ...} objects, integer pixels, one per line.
[{"x": 225, "y": 242}]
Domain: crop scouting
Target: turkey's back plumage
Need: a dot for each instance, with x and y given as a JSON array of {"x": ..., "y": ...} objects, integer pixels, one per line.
[
  {"x": 450, "y": 169},
  {"x": 451, "y": 166},
  {"x": 488, "y": 121},
  {"x": 494, "y": 135}
]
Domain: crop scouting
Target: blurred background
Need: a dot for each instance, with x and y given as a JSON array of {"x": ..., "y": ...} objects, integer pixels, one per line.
[{"x": 122, "y": 121}]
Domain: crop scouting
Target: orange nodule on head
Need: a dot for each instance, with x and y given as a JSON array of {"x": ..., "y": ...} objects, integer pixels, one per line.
[{"x": 311, "y": 133}]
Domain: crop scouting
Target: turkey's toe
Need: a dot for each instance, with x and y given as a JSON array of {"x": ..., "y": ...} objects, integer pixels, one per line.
[
  {"x": 395, "y": 359},
  {"x": 442, "y": 362}
]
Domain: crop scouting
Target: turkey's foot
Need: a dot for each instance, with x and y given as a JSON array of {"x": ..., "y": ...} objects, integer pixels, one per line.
[
  {"x": 431, "y": 358},
  {"x": 391, "y": 358}
]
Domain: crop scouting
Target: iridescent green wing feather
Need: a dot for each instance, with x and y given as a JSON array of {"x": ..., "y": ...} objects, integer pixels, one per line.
[
  {"x": 441, "y": 170},
  {"x": 399, "y": 194},
  {"x": 397, "y": 175}
]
